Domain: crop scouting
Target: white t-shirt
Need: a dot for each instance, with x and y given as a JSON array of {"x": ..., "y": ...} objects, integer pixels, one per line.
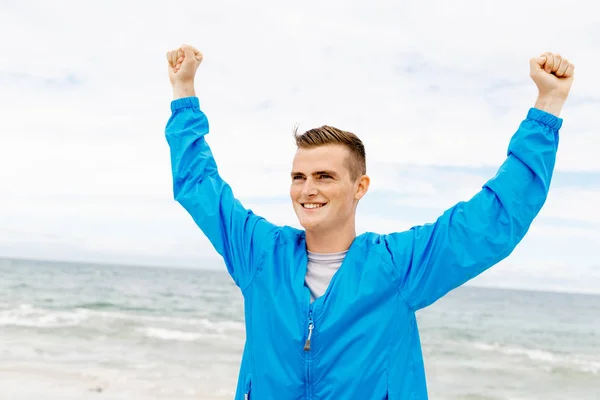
[{"x": 320, "y": 270}]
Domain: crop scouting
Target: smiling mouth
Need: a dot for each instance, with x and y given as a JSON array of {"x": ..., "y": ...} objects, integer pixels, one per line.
[{"x": 313, "y": 206}]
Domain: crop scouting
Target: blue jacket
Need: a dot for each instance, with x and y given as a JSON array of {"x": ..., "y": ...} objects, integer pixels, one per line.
[{"x": 364, "y": 341}]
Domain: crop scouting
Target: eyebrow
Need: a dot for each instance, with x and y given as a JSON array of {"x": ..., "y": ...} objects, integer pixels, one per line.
[
  {"x": 326, "y": 172},
  {"x": 322, "y": 172}
]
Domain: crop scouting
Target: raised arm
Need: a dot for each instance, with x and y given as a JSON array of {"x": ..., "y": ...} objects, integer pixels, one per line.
[
  {"x": 474, "y": 235},
  {"x": 237, "y": 234}
]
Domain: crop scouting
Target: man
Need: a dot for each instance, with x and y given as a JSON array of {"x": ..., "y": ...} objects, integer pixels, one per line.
[{"x": 329, "y": 314}]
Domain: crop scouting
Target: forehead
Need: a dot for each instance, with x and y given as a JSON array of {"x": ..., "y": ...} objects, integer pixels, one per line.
[{"x": 329, "y": 157}]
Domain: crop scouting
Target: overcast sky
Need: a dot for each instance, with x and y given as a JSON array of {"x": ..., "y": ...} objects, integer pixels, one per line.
[{"x": 435, "y": 89}]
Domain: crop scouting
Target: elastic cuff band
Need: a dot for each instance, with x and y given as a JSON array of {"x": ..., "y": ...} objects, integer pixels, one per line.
[
  {"x": 185, "y": 102},
  {"x": 545, "y": 118}
]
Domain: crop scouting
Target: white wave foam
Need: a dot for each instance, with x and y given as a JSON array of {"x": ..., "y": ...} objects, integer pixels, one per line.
[
  {"x": 215, "y": 326},
  {"x": 552, "y": 359},
  {"x": 532, "y": 354},
  {"x": 27, "y": 316},
  {"x": 589, "y": 366},
  {"x": 168, "y": 334}
]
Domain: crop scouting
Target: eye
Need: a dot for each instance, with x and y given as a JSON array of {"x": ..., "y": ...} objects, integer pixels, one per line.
[
  {"x": 296, "y": 177},
  {"x": 324, "y": 176}
]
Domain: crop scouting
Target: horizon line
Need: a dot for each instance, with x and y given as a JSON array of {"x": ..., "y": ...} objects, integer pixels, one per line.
[{"x": 129, "y": 264}]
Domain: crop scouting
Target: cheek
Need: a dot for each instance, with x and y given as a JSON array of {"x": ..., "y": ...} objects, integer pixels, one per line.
[{"x": 342, "y": 197}]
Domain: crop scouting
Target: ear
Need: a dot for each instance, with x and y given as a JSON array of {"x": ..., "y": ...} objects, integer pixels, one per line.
[{"x": 362, "y": 187}]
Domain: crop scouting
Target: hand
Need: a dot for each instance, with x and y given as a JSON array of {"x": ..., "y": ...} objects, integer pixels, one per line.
[
  {"x": 183, "y": 64},
  {"x": 552, "y": 74}
]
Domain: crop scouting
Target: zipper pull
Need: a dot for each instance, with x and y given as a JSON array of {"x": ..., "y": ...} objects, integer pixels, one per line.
[{"x": 311, "y": 325}]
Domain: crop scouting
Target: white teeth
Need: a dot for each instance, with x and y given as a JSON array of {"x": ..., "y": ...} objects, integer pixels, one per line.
[{"x": 312, "y": 205}]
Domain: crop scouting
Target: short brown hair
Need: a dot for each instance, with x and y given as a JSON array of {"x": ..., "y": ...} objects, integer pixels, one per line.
[{"x": 325, "y": 135}]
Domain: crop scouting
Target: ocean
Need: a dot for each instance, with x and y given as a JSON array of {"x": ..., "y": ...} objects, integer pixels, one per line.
[{"x": 81, "y": 331}]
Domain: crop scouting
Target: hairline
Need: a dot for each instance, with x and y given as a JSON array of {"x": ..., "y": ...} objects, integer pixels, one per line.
[{"x": 356, "y": 157}]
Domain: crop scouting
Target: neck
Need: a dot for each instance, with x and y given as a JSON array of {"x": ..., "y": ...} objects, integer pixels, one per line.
[{"x": 333, "y": 241}]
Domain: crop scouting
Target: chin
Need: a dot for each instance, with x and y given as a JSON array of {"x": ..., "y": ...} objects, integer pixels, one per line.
[
  {"x": 313, "y": 224},
  {"x": 308, "y": 224}
]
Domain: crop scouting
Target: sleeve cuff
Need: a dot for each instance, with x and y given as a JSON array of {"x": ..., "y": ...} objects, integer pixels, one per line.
[
  {"x": 185, "y": 102},
  {"x": 545, "y": 118}
]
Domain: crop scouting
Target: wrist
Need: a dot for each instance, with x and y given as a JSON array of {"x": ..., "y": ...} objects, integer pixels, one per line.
[
  {"x": 183, "y": 89},
  {"x": 550, "y": 103}
]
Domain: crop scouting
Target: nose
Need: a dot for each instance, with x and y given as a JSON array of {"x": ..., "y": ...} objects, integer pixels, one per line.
[{"x": 309, "y": 188}]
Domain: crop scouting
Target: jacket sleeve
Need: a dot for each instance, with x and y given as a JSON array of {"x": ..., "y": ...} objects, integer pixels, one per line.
[
  {"x": 472, "y": 236},
  {"x": 237, "y": 234}
]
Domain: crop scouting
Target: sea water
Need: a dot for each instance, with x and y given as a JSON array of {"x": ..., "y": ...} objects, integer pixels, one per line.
[{"x": 79, "y": 331}]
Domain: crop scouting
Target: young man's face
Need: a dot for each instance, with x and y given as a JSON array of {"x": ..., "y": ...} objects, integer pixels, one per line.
[{"x": 322, "y": 192}]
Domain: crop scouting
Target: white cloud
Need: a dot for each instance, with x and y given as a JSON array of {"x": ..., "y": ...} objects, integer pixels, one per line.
[
  {"x": 84, "y": 167},
  {"x": 580, "y": 205}
]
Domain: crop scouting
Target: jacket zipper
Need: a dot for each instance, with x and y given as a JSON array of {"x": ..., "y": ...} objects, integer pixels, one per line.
[
  {"x": 248, "y": 388},
  {"x": 311, "y": 326}
]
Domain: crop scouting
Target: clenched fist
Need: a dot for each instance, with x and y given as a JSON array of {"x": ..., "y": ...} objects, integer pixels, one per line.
[
  {"x": 552, "y": 74},
  {"x": 183, "y": 64}
]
